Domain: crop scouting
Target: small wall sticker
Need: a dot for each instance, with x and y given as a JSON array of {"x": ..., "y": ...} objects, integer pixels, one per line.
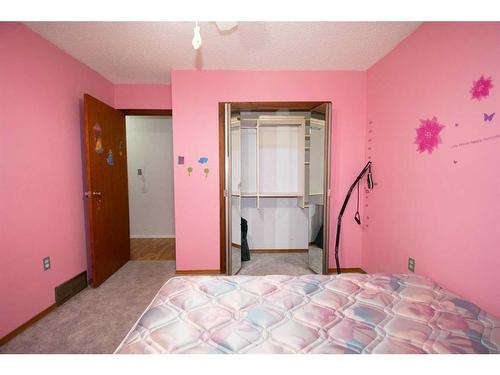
[
  {"x": 189, "y": 170},
  {"x": 180, "y": 160},
  {"x": 476, "y": 141},
  {"x": 488, "y": 117},
  {"x": 110, "y": 159},
  {"x": 428, "y": 135},
  {"x": 206, "y": 170},
  {"x": 481, "y": 88},
  {"x": 97, "y": 130},
  {"x": 203, "y": 160}
]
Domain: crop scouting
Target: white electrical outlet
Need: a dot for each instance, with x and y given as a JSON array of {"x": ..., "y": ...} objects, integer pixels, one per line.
[{"x": 411, "y": 264}]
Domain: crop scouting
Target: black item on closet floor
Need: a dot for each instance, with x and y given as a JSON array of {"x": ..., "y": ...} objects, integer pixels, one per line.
[
  {"x": 318, "y": 241},
  {"x": 245, "y": 251}
]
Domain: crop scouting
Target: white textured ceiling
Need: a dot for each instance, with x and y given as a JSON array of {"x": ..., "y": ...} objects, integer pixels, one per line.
[{"x": 146, "y": 52}]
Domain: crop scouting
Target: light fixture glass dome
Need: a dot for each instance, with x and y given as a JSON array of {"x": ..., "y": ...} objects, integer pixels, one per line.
[{"x": 196, "y": 37}]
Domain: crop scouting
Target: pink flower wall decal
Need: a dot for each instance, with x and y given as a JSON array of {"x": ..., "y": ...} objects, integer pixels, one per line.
[
  {"x": 428, "y": 135},
  {"x": 481, "y": 88}
]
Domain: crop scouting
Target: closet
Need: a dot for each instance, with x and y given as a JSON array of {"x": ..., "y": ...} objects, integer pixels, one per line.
[{"x": 277, "y": 168}]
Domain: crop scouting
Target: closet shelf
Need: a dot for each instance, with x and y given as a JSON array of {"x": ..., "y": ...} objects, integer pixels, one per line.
[
  {"x": 270, "y": 194},
  {"x": 317, "y": 123}
]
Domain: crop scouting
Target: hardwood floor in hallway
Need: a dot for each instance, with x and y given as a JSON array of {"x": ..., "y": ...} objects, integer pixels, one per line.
[{"x": 152, "y": 249}]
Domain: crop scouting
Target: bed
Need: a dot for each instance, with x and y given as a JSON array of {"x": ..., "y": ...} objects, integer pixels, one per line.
[{"x": 348, "y": 313}]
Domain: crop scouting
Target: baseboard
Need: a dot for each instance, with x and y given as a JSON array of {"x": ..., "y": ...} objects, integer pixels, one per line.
[
  {"x": 269, "y": 251},
  {"x": 29, "y": 323},
  {"x": 152, "y": 236},
  {"x": 346, "y": 270},
  {"x": 197, "y": 272},
  {"x": 272, "y": 250},
  {"x": 217, "y": 272}
]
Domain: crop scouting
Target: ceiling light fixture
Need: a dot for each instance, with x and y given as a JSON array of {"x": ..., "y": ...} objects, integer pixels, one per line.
[
  {"x": 226, "y": 26},
  {"x": 196, "y": 37}
]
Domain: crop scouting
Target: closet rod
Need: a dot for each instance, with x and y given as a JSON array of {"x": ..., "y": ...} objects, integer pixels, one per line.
[
  {"x": 271, "y": 195},
  {"x": 280, "y": 124}
]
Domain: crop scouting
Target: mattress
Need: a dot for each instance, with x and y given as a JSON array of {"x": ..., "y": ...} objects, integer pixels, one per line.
[{"x": 348, "y": 313}]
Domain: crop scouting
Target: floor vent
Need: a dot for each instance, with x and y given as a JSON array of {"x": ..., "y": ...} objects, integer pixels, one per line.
[{"x": 71, "y": 287}]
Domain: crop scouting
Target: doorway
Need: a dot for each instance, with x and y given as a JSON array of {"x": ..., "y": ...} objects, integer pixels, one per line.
[
  {"x": 274, "y": 192},
  {"x": 150, "y": 187},
  {"x": 107, "y": 187}
]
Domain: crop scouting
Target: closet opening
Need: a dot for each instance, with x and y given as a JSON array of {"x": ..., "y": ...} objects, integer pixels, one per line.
[
  {"x": 150, "y": 184},
  {"x": 274, "y": 184}
]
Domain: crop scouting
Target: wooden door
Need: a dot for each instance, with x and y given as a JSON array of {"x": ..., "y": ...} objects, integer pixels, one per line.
[{"x": 106, "y": 188}]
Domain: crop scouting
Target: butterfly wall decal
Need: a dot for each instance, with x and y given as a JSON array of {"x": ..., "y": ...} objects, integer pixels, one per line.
[{"x": 488, "y": 117}]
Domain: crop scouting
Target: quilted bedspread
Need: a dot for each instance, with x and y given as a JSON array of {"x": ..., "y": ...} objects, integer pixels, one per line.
[{"x": 348, "y": 313}]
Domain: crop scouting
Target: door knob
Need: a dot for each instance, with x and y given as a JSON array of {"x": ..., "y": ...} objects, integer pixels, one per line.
[{"x": 89, "y": 194}]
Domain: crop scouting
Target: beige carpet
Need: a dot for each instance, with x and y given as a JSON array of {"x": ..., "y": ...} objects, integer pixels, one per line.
[
  {"x": 97, "y": 320},
  {"x": 276, "y": 264}
]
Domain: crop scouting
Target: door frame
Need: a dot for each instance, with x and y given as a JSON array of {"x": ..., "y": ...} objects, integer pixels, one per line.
[
  {"x": 222, "y": 187},
  {"x": 144, "y": 112},
  {"x": 225, "y": 173},
  {"x": 87, "y": 182}
]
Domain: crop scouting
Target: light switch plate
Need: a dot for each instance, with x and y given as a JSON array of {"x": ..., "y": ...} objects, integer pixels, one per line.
[{"x": 46, "y": 263}]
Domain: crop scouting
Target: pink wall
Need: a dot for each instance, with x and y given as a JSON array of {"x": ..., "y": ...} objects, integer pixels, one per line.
[
  {"x": 41, "y": 206},
  {"x": 443, "y": 208},
  {"x": 195, "y": 98},
  {"x": 440, "y": 208},
  {"x": 143, "y": 96}
]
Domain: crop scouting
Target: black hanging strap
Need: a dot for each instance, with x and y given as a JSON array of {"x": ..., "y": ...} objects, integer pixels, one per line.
[{"x": 357, "y": 217}]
